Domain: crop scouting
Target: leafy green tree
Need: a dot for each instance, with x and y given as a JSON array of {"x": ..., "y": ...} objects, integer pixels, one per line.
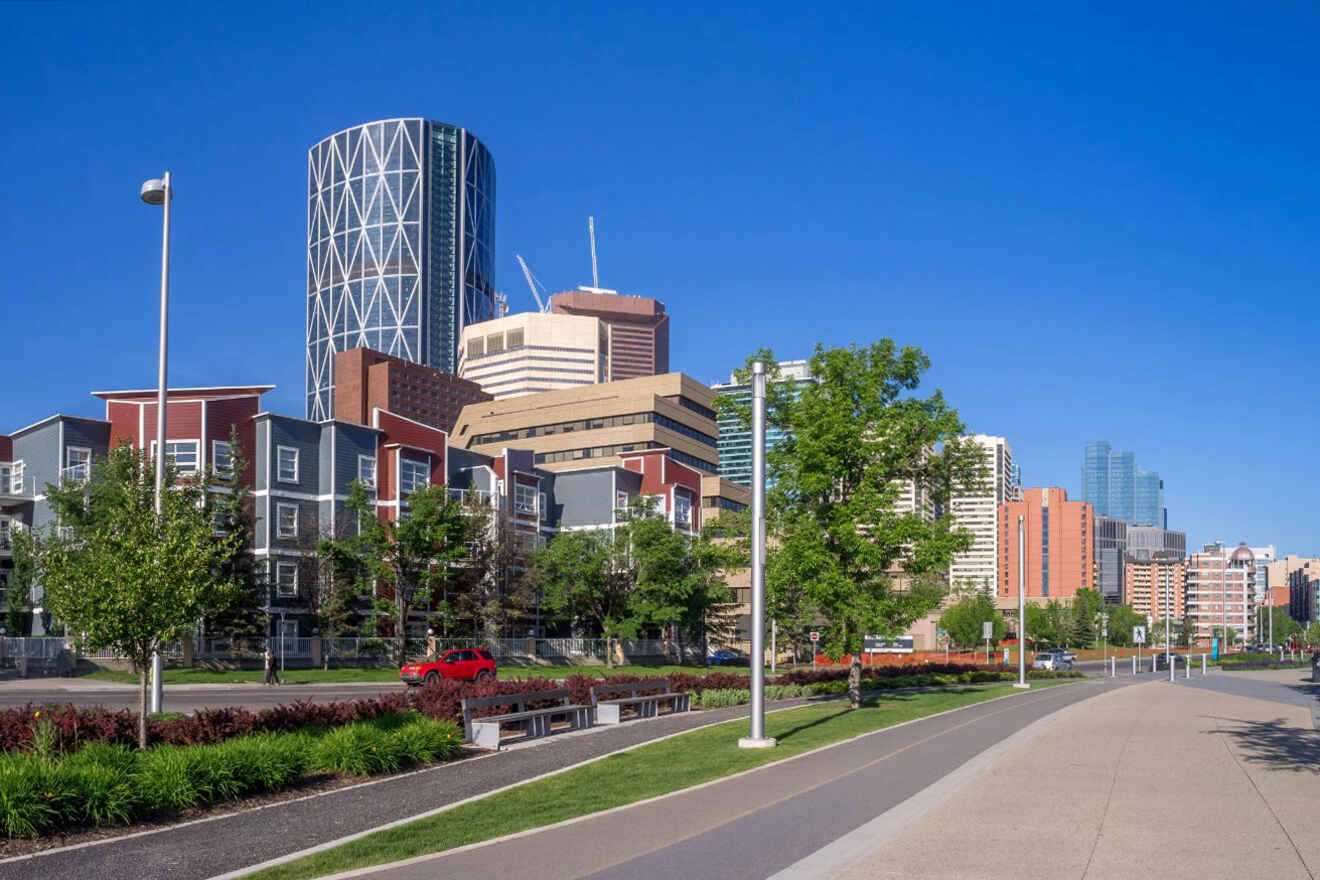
[
  {"x": 1284, "y": 626},
  {"x": 415, "y": 555},
  {"x": 491, "y": 587},
  {"x": 590, "y": 577},
  {"x": 1121, "y": 621},
  {"x": 18, "y": 594},
  {"x": 964, "y": 619},
  {"x": 123, "y": 578},
  {"x": 854, "y": 438},
  {"x": 235, "y": 515},
  {"x": 1311, "y": 635},
  {"x": 1049, "y": 625}
]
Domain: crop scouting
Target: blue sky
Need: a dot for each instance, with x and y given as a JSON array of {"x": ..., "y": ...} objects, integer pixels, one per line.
[{"x": 1099, "y": 223}]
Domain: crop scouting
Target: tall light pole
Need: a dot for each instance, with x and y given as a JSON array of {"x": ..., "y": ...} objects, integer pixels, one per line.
[
  {"x": 1167, "y": 649},
  {"x": 158, "y": 191},
  {"x": 1022, "y": 610},
  {"x": 756, "y": 738}
]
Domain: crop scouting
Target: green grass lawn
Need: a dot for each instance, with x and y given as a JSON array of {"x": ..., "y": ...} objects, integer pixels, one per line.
[
  {"x": 387, "y": 675},
  {"x": 648, "y": 771}
]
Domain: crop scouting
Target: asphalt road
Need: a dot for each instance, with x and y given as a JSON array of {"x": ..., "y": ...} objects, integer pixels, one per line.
[
  {"x": 809, "y": 802},
  {"x": 182, "y": 698}
]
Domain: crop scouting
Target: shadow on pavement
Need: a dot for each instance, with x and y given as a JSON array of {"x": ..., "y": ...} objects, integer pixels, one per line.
[{"x": 1273, "y": 744}]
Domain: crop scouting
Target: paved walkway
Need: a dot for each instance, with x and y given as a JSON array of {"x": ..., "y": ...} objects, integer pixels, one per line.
[
  {"x": 1207, "y": 777},
  {"x": 760, "y": 822}
]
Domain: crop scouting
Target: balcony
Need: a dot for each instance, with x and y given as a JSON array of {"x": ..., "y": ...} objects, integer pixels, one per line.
[
  {"x": 79, "y": 474},
  {"x": 473, "y": 497}
]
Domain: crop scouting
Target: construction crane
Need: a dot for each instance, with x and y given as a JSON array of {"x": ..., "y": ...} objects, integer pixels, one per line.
[
  {"x": 541, "y": 305},
  {"x": 591, "y": 232}
]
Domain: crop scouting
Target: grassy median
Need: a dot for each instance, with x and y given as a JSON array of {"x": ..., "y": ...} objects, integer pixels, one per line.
[{"x": 644, "y": 772}]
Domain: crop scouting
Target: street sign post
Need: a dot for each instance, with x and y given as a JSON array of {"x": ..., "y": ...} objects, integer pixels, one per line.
[
  {"x": 815, "y": 637},
  {"x": 987, "y": 633},
  {"x": 1138, "y": 639}
]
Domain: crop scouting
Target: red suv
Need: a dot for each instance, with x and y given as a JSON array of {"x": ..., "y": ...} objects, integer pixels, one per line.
[{"x": 469, "y": 664}]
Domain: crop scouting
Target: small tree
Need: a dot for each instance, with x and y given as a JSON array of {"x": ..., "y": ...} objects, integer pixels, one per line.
[
  {"x": 491, "y": 587},
  {"x": 123, "y": 578},
  {"x": 234, "y": 513},
  {"x": 590, "y": 577},
  {"x": 1086, "y": 614},
  {"x": 415, "y": 554},
  {"x": 964, "y": 619}
]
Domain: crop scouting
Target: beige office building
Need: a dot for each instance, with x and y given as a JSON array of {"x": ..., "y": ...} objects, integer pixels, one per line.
[
  {"x": 534, "y": 352},
  {"x": 594, "y": 425}
]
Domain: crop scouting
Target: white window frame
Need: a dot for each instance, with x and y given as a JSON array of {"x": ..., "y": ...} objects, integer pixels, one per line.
[
  {"x": 620, "y": 500},
  {"x": 225, "y": 448},
  {"x": 280, "y": 510},
  {"x": 17, "y": 476},
  {"x": 279, "y": 473},
  {"x": 280, "y": 588},
  {"x": 544, "y": 506},
  {"x": 85, "y": 463},
  {"x": 369, "y": 483},
  {"x": 682, "y": 502},
  {"x": 413, "y": 485},
  {"x": 520, "y": 504},
  {"x": 172, "y": 458}
]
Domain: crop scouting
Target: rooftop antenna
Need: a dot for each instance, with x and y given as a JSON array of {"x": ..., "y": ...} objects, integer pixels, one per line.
[
  {"x": 532, "y": 283},
  {"x": 591, "y": 232}
]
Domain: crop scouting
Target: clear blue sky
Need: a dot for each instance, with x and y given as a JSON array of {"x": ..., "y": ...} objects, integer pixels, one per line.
[{"x": 1100, "y": 224}]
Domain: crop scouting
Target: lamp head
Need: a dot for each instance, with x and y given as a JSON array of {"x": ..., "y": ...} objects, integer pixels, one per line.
[{"x": 153, "y": 191}]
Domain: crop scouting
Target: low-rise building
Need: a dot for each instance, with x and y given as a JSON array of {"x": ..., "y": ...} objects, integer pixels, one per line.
[{"x": 367, "y": 380}]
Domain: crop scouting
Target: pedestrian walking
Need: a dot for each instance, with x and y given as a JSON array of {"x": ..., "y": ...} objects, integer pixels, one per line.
[{"x": 272, "y": 675}]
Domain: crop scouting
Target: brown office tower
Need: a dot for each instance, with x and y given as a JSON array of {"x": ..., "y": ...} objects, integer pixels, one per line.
[
  {"x": 639, "y": 329},
  {"x": 366, "y": 379}
]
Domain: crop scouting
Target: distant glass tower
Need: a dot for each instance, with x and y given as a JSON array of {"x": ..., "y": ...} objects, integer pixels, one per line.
[
  {"x": 735, "y": 441},
  {"x": 400, "y": 246},
  {"x": 1115, "y": 487}
]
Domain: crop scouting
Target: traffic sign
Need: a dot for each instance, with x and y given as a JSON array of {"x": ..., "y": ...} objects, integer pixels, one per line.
[
  {"x": 1138, "y": 635},
  {"x": 815, "y": 637},
  {"x": 987, "y": 629}
]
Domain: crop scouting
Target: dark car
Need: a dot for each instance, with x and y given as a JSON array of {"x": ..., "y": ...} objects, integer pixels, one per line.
[
  {"x": 1179, "y": 661},
  {"x": 468, "y": 664}
]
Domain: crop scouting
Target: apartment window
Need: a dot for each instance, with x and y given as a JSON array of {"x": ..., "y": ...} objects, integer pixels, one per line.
[
  {"x": 367, "y": 471},
  {"x": 222, "y": 459},
  {"x": 524, "y": 499},
  {"x": 286, "y": 458},
  {"x": 77, "y": 464},
  {"x": 182, "y": 454},
  {"x": 286, "y": 520},
  {"x": 286, "y": 578},
  {"x": 413, "y": 475},
  {"x": 621, "y": 500},
  {"x": 541, "y": 498},
  {"x": 682, "y": 510}
]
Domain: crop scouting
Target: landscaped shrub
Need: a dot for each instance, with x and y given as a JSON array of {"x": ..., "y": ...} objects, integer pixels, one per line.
[
  {"x": 108, "y": 784},
  {"x": 720, "y": 699}
]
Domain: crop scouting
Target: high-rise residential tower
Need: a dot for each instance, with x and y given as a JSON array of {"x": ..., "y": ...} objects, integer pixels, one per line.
[
  {"x": 1221, "y": 592},
  {"x": 400, "y": 246},
  {"x": 736, "y": 438},
  {"x": 1058, "y": 540},
  {"x": 979, "y": 511}
]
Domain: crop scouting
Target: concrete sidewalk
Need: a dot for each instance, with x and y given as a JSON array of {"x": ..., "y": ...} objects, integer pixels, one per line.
[{"x": 1158, "y": 779}]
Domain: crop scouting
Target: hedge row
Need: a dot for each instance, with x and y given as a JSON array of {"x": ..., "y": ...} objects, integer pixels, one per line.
[
  {"x": 106, "y": 784},
  {"x": 712, "y": 698}
]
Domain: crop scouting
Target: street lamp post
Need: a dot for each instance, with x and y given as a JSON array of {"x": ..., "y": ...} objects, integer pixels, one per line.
[
  {"x": 160, "y": 192},
  {"x": 757, "y": 738},
  {"x": 1168, "y": 656},
  {"x": 1022, "y": 611}
]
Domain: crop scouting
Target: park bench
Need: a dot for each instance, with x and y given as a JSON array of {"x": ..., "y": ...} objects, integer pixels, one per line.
[
  {"x": 485, "y": 732},
  {"x": 609, "y": 700}
]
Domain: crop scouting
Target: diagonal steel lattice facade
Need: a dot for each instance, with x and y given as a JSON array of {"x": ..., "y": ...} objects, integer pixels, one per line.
[{"x": 400, "y": 246}]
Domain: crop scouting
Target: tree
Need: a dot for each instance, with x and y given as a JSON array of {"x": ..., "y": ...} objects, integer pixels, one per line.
[
  {"x": 491, "y": 587},
  {"x": 18, "y": 593},
  {"x": 1121, "y": 621},
  {"x": 1284, "y": 626},
  {"x": 415, "y": 554},
  {"x": 1050, "y": 624},
  {"x": 234, "y": 513},
  {"x": 590, "y": 577},
  {"x": 123, "y": 578},
  {"x": 1086, "y": 607},
  {"x": 853, "y": 439},
  {"x": 1310, "y": 637},
  {"x": 964, "y": 619}
]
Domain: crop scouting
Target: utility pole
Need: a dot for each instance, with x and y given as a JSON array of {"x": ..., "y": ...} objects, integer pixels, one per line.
[
  {"x": 1022, "y": 611},
  {"x": 756, "y": 738}
]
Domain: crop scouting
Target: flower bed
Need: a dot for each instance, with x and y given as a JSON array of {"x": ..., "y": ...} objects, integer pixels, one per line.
[{"x": 109, "y": 784}]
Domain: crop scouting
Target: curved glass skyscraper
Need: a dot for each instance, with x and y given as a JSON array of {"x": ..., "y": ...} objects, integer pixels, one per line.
[{"x": 400, "y": 246}]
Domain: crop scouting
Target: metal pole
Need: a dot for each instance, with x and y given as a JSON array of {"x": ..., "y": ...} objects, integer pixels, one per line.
[
  {"x": 1168, "y": 656},
  {"x": 1022, "y": 611},
  {"x": 774, "y": 648},
  {"x": 157, "y": 666},
  {"x": 756, "y": 738}
]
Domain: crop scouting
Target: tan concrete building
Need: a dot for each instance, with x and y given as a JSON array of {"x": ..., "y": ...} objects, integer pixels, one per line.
[
  {"x": 595, "y": 424},
  {"x": 534, "y": 352},
  {"x": 1147, "y": 582},
  {"x": 719, "y": 496}
]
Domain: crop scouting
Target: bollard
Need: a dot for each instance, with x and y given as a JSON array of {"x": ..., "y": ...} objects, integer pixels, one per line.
[
  {"x": 1203, "y": 664},
  {"x": 1134, "y": 664},
  {"x": 1152, "y": 662},
  {"x": 1187, "y": 668},
  {"x": 1113, "y": 667}
]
